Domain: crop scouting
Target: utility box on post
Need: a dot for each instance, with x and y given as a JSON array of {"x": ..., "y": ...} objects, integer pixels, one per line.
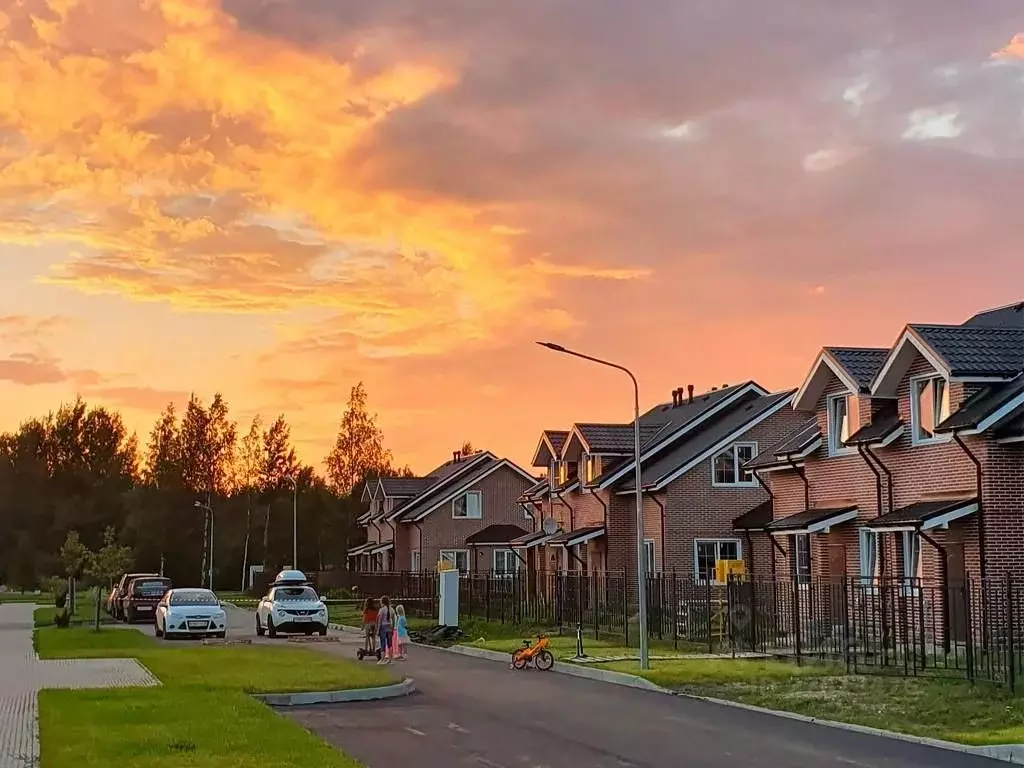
[{"x": 448, "y": 602}]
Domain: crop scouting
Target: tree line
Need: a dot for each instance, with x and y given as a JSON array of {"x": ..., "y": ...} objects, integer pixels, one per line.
[{"x": 79, "y": 470}]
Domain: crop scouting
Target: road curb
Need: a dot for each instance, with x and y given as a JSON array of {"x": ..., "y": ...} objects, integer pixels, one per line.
[{"x": 394, "y": 691}]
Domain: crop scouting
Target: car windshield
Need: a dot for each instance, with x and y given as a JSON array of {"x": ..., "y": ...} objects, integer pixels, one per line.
[
  {"x": 295, "y": 593},
  {"x": 151, "y": 587},
  {"x": 193, "y": 597}
]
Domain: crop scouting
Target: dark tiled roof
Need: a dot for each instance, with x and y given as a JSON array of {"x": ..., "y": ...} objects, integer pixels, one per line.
[
  {"x": 535, "y": 489},
  {"x": 919, "y": 512},
  {"x": 862, "y": 363},
  {"x": 570, "y": 536},
  {"x": 449, "y": 468},
  {"x": 808, "y": 517},
  {"x": 529, "y": 539},
  {"x": 1011, "y": 316},
  {"x": 496, "y": 534},
  {"x": 702, "y": 440},
  {"x": 755, "y": 519},
  {"x": 976, "y": 350},
  {"x": 405, "y": 487},
  {"x": 567, "y": 485},
  {"x": 882, "y": 427},
  {"x": 1011, "y": 426},
  {"x": 617, "y": 438},
  {"x": 800, "y": 440},
  {"x": 480, "y": 464},
  {"x": 982, "y": 404},
  {"x": 557, "y": 438}
]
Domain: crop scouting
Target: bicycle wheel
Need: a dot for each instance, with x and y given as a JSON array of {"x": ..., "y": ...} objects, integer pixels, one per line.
[
  {"x": 519, "y": 661},
  {"x": 544, "y": 660}
]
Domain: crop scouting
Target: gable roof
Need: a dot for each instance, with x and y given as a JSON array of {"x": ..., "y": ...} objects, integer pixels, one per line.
[
  {"x": 791, "y": 450},
  {"x": 986, "y": 407},
  {"x": 855, "y": 367},
  {"x": 613, "y": 439},
  {"x": 404, "y": 487},
  {"x": 882, "y": 430},
  {"x": 681, "y": 420},
  {"x": 443, "y": 476},
  {"x": 1009, "y": 316},
  {"x": 442, "y": 494},
  {"x": 550, "y": 443},
  {"x": 705, "y": 443}
]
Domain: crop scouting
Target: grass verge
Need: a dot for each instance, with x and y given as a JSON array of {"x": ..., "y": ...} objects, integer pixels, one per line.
[
  {"x": 42, "y": 598},
  {"x": 84, "y": 615},
  {"x": 201, "y": 716}
]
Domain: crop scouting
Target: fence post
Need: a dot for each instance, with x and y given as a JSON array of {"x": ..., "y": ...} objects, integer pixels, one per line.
[
  {"x": 711, "y": 618},
  {"x": 675, "y": 611},
  {"x": 796, "y": 618},
  {"x": 1009, "y": 634},
  {"x": 487, "y": 597},
  {"x": 595, "y": 601},
  {"x": 846, "y": 623},
  {"x": 969, "y": 619},
  {"x": 625, "y": 605}
]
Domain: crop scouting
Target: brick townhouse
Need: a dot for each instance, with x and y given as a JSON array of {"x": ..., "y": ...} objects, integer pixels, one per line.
[
  {"x": 909, "y": 465},
  {"x": 465, "y": 511},
  {"x": 693, "y": 450}
]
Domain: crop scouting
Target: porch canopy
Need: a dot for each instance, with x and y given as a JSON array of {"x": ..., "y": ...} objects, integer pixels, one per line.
[
  {"x": 925, "y": 515},
  {"x": 579, "y": 536},
  {"x": 495, "y": 536},
  {"x": 820, "y": 520},
  {"x": 756, "y": 519},
  {"x": 531, "y": 540},
  {"x": 362, "y": 549},
  {"x": 382, "y": 548}
]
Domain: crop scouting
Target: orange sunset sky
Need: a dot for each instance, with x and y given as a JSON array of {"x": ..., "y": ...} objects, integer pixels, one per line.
[{"x": 279, "y": 198}]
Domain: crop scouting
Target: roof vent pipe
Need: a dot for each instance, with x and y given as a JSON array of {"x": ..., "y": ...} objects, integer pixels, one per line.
[{"x": 689, "y": 392}]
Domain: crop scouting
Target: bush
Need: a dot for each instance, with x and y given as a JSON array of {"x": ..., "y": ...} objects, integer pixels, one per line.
[{"x": 60, "y": 597}]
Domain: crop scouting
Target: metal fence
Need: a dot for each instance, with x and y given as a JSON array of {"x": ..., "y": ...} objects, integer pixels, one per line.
[{"x": 972, "y": 630}]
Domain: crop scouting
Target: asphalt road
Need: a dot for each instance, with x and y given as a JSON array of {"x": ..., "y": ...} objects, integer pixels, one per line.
[{"x": 472, "y": 712}]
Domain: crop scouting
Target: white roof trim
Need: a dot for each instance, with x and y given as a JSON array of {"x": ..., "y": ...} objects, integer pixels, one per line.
[
  {"x": 535, "y": 543},
  {"x": 461, "y": 489},
  {"x": 360, "y": 550},
  {"x": 382, "y": 548},
  {"x": 822, "y": 526},
  {"x": 999, "y": 414},
  {"x": 367, "y": 495},
  {"x": 574, "y": 432},
  {"x": 943, "y": 520},
  {"x": 572, "y": 541},
  {"x": 720, "y": 445},
  {"x": 882, "y": 386},
  {"x": 685, "y": 429},
  {"x": 810, "y": 388},
  {"x": 1014, "y": 439},
  {"x": 811, "y": 448},
  {"x": 475, "y": 461},
  {"x": 544, "y": 443},
  {"x": 892, "y": 436}
]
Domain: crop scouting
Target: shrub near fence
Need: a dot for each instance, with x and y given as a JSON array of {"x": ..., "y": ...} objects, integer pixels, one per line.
[{"x": 972, "y": 630}]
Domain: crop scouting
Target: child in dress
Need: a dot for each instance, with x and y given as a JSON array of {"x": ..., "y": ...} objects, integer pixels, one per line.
[{"x": 401, "y": 630}]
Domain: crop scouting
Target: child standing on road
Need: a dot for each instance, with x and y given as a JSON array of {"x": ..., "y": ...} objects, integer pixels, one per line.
[
  {"x": 384, "y": 628},
  {"x": 370, "y": 626},
  {"x": 401, "y": 630}
]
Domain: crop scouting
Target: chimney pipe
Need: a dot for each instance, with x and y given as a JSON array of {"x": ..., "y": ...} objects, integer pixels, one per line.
[
  {"x": 675, "y": 397},
  {"x": 689, "y": 392},
  {"x": 456, "y": 456}
]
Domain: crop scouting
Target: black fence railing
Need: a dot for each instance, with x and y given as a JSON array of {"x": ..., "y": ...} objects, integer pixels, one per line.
[{"x": 972, "y": 629}]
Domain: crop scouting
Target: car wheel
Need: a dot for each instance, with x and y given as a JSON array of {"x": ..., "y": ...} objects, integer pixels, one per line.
[
  {"x": 221, "y": 635},
  {"x": 260, "y": 631},
  {"x": 322, "y": 631},
  {"x": 271, "y": 629}
]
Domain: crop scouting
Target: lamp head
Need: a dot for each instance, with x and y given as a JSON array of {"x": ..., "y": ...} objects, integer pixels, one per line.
[{"x": 552, "y": 346}]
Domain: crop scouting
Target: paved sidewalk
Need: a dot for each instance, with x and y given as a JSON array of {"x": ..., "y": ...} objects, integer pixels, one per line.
[{"x": 24, "y": 675}]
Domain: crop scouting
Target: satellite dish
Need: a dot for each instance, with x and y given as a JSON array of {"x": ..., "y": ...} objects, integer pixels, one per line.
[{"x": 549, "y": 526}]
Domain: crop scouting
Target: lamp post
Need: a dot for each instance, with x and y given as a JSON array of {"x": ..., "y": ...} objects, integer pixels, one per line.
[
  {"x": 209, "y": 510},
  {"x": 641, "y": 560},
  {"x": 295, "y": 522}
]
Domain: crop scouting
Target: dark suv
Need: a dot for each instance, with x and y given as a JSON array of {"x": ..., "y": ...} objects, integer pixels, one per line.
[
  {"x": 141, "y": 597},
  {"x": 120, "y": 591}
]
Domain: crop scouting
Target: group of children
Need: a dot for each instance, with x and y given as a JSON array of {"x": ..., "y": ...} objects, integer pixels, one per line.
[{"x": 381, "y": 621}]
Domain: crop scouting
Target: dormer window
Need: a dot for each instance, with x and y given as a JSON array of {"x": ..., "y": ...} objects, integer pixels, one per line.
[
  {"x": 929, "y": 406},
  {"x": 592, "y": 466},
  {"x": 563, "y": 473},
  {"x": 843, "y": 421}
]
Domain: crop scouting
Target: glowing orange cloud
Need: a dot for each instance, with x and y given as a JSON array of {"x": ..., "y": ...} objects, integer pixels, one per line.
[{"x": 1013, "y": 49}]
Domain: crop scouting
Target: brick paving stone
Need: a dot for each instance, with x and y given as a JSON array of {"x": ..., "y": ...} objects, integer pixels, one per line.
[{"x": 24, "y": 675}]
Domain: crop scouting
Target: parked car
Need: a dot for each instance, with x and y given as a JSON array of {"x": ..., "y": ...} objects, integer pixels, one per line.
[
  {"x": 117, "y": 594},
  {"x": 141, "y": 597},
  {"x": 291, "y": 609},
  {"x": 190, "y": 612}
]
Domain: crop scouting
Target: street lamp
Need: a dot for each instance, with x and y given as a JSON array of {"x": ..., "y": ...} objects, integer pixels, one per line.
[
  {"x": 209, "y": 510},
  {"x": 295, "y": 522},
  {"x": 641, "y": 559}
]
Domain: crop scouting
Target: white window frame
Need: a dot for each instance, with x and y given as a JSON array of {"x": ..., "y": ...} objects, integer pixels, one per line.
[
  {"x": 867, "y": 548},
  {"x": 802, "y": 580},
  {"x": 942, "y": 408},
  {"x": 509, "y": 556},
  {"x": 737, "y": 470},
  {"x": 912, "y": 565},
  {"x": 415, "y": 562},
  {"x": 590, "y": 472},
  {"x": 452, "y": 555},
  {"x": 836, "y": 441},
  {"x": 465, "y": 496},
  {"x": 651, "y": 556},
  {"x": 718, "y": 554}
]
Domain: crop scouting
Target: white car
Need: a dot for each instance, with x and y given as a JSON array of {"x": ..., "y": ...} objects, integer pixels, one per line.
[
  {"x": 291, "y": 609},
  {"x": 190, "y": 612}
]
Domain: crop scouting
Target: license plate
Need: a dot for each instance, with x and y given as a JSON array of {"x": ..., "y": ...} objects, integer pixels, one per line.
[
  {"x": 145, "y": 608},
  {"x": 303, "y": 618},
  {"x": 198, "y": 624}
]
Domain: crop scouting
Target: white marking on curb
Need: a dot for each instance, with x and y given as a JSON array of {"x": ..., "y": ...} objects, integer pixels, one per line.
[
  {"x": 456, "y": 727},
  {"x": 414, "y": 732}
]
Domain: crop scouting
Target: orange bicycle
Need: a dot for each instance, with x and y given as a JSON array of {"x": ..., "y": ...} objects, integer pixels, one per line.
[{"x": 538, "y": 655}]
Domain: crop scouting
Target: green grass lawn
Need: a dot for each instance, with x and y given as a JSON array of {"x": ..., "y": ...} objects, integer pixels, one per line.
[
  {"x": 201, "y": 716},
  {"x": 506, "y": 638},
  {"x": 43, "y": 598},
  {"x": 85, "y": 614}
]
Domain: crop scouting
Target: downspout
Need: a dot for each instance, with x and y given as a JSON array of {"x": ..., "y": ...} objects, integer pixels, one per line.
[
  {"x": 979, "y": 477},
  {"x": 572, "y": 512},
  {"x": 750, "y": 549},
  {"x": 763, "y": 484},
  {"x": 865, "y": 454},
  {"x": 888, "y": 475},
  {"x": 419, "y": 543},
  {"x": 374, "y": 524},
  {"x": 803, "y": 477},
  {"x": 746, "y": 533},
  {"x": 662, "y": 508},
  {"x": 944, "y": 569},
  {"x": 597, "y": 495}
]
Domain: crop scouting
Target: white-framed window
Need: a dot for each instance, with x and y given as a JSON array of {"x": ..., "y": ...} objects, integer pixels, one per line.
[
  {"x": 707, "y": 552},
  {"x": 727, "y": 466},
  {"x": 414, "y": 562},
  {"x": 650, "y": 561},
  {"x": 562, "y": 473},
  {"x": 801, "y": 558},
  {"x": 911, "y": 555},
  {"x": 468, "y": 506},
  {"x": 459, "y": 558},
  {"x": 843, "y": 421},
  {"x": 868, "y": 541},
  {"x": 592, "y": 467},
  {"x": 929, "y": 405},
  {"x": 505, "y": 562}
]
